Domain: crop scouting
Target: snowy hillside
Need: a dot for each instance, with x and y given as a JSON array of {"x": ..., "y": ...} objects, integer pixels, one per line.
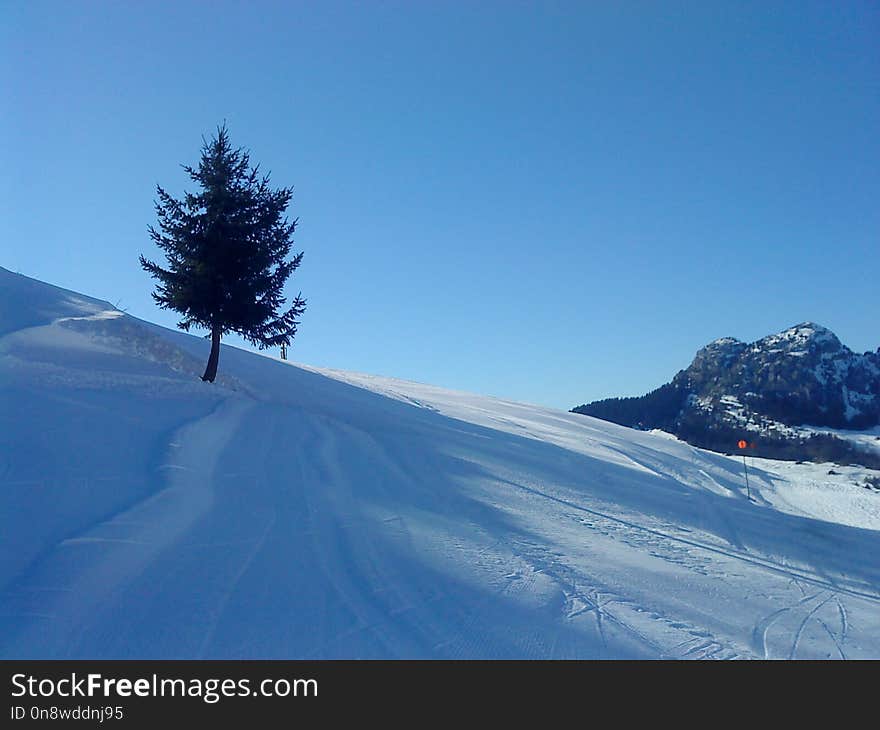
[{"x": 289, "y": 512}]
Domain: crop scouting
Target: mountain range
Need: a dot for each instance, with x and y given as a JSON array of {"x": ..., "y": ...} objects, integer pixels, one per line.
[{"x": 793, "y": 395}]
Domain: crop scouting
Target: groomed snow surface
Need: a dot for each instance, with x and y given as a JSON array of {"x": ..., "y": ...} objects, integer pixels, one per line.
[{"x": 290, "y": 512}]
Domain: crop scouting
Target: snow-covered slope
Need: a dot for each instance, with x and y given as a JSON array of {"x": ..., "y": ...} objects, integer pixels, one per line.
[{"x": 291, "y": 512}]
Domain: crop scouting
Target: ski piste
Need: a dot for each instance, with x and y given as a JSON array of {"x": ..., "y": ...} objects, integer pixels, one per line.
[{"x": 288, "y": 511}]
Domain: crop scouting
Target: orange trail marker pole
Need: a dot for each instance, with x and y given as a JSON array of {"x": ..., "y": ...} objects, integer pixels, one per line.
[{"x": 743, "y": 444}]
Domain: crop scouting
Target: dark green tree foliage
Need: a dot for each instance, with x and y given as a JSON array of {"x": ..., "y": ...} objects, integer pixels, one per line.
[
  {"x": 658, "y": 409},
  {"x": 227, "y": 250}
]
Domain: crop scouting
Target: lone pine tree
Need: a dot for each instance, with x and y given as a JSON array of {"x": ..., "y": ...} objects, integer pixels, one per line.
[{"x": 226, "y": 250}]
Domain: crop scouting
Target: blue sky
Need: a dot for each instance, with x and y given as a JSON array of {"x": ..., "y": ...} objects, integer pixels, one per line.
[{"x": 548, "y": 201}]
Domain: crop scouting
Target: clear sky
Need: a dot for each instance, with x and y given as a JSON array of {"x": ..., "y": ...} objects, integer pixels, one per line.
[{"x": 547, "y": 201}]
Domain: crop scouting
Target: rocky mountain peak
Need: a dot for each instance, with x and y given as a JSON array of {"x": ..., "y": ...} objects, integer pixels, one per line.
[
  {"x": 769, "y": 390},
  {"x": 803, "y": 337},
  {"x": 719, "y": 353}
]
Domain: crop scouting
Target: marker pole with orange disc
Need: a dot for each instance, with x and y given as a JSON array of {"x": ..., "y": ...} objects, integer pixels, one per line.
[{"x": 743, "y": 445}]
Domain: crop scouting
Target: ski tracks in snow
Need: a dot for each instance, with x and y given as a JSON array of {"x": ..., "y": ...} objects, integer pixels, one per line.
[
  {"x": 778, "y": 635},
  {"x": 618, "y": 620},
  {"x": 390, "y": 557}
]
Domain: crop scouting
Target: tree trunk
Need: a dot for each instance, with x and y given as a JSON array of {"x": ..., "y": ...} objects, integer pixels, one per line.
[{"x": 211, "y": 370}]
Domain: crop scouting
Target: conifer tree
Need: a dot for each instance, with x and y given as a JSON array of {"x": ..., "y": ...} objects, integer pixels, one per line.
[{"x": 227, "y": 250}]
